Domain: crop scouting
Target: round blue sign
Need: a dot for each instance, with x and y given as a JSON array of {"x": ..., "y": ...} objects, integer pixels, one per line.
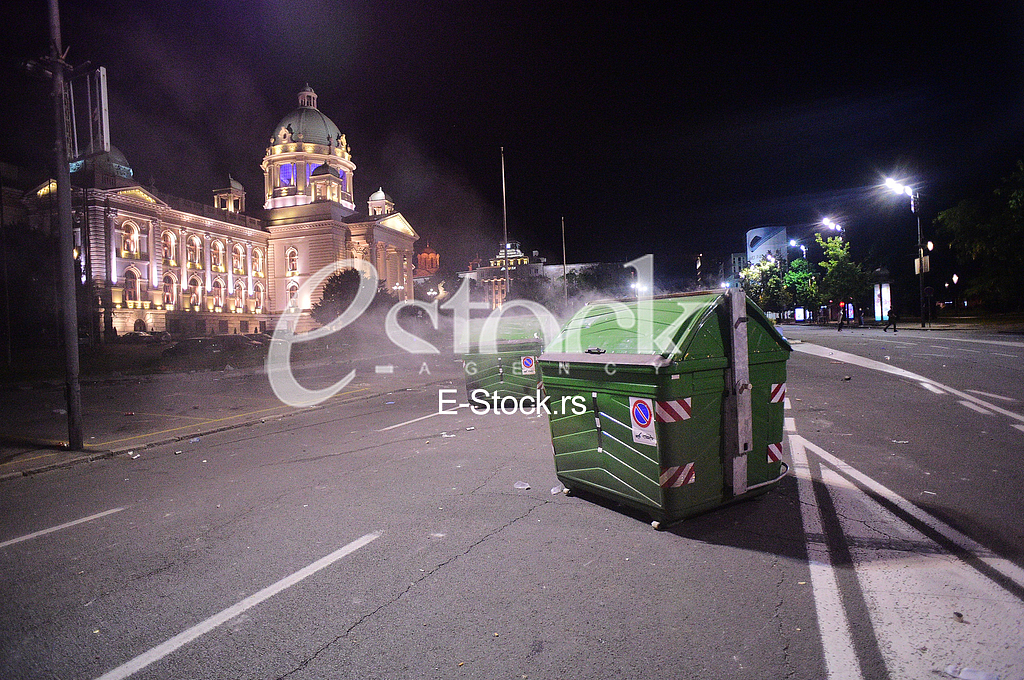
[{"x": 642, "y": 414}]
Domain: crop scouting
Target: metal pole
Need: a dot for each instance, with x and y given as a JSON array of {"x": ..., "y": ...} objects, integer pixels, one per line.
[
  {"x": 915, "y": 208},
  {"x": 66, "y": 241},
  {"x": 565, "y": 280},
  {"x": 504, "y": 226}
]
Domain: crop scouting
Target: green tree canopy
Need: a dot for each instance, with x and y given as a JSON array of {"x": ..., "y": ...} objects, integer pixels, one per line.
[
  {"x": 801, "y": 281},
  {"x": 763, "y": 283},
  {"x": 986, "y": 236},
  {"x": 339, "y": 290},
  {"x": 844, "y": 279}
]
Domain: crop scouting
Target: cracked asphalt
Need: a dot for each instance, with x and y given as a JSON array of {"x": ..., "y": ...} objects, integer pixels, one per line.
[
  {"x": 470, "y": 577},
  {"x": 159, "y": 564}
]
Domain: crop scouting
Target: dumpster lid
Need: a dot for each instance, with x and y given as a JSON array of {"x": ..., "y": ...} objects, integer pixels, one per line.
[{"x": 657, "y": 331}]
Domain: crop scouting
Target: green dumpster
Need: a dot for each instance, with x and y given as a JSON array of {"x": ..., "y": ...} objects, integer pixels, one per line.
[
  {"x": 509, "y": 372},
  {"x": 655, "y": 404}
]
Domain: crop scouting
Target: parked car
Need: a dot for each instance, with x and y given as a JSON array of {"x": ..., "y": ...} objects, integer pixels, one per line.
[
  {"x": 139, "y": 338},
  {"x": 193, "y": 346},
  {"x": 237, "y": 343},
  {"x": 262, "y": 338}
]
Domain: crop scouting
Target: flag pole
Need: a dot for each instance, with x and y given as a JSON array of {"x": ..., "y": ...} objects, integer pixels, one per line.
[
  {"x": 565, "y": 280},
  {"x": 504, "y": 225}
]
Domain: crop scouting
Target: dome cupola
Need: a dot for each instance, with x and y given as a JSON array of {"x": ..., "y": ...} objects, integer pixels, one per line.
[{"x": 300, "y": 144}]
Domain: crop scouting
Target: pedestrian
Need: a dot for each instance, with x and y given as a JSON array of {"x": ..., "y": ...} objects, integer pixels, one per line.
[
  {"x": 860, "y": 317},
  {"x": 842, "y": 318},
  {"x": 893, "y": 318}
]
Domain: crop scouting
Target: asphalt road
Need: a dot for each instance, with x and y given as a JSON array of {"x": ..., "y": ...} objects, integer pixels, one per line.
[{"x": 371, "y": 537}]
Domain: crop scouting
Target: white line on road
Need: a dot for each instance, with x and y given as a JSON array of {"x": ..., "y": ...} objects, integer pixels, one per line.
[
  {"x": 1003, "y": 566},
  {"x": 181, "y": 639},
  {"x": 931, "y": 388},
  {"x": 1000, "y": 354},
  {"x": 871, "y": 364},
  {"x": 837, "y": 643},
  {"x": 991, "y": 396},
  {"x": 43, "y": 532},
  {"x": 1019, "y": 426},
  {"x": 975, "y": 407},
  {"x": 410, "y": 422}
]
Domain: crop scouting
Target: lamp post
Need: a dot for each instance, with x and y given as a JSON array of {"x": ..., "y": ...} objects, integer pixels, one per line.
[
  {"x": 900, "y": 188},
  {"x": 834, "y": 226}
]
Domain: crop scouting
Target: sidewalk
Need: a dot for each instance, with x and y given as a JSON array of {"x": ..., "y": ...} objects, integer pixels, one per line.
[{"x": 126, "y": 415}]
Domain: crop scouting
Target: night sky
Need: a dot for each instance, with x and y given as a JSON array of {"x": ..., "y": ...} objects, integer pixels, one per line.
[{"x": 649, "y": 127}]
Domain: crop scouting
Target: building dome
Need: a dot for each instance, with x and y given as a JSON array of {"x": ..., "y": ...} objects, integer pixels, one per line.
[
  {"x": 379, "y": 195},
  {"x": 112, "y": 162},
  {"x": 325, "y": 169},
  {"x": 307, "y": 125}
]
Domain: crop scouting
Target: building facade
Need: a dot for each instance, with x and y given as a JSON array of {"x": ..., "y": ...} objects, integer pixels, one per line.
[{"x": 159, "y": 263}]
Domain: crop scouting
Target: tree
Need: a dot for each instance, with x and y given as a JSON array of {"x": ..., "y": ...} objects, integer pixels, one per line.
[
  {"x": 763, "y": 283},
  {"x": 986, "y": 235},
  {"x": 844, "y": 279},
  {"x": 339, "y": 290},
  {"x": 801, "y": 281}
]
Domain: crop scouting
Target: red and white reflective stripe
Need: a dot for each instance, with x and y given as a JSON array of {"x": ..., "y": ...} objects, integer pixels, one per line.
[
  {"x": 775, "y": 452},
  {"x": 673, "y": 477},
  {"x": 778, "y": 393},
  {"x": 672, "y": 411}
]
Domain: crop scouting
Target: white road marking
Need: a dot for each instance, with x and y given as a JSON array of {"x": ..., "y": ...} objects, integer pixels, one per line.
[
  {"x": 912, "y": 586},
  {"x": 871, "y": 364},
  {"x": 990, "y": 395},
  {"x": 1019, "y": 426},
  {"x": 837, "y": 643},
  {"x": 1003, "y": 566},
  {"x": 974, "y": 407},
  {"x": 410, "y": 422},
  {"x": 181, "y": 639},
  {"x": 1000, "y": 354},
  {"x": 931, "y": 388},
  {"x": 43, "y": 532}
]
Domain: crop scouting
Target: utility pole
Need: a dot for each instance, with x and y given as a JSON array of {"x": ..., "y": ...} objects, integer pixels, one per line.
[
  {"x": 504, "y": 225},
  {"x": 66, "y": 240},
  {"x": 565, "y": 278}
]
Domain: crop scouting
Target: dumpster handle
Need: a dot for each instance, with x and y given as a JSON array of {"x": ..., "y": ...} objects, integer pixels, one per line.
[{"x": 782, "y": 473}]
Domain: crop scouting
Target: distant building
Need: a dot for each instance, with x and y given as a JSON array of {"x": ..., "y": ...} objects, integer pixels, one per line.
[
  {"x": 157, "y": 262},
  {"x": 427, "y": 263},
  {"x": 765, "y": 241},
  {"x": 492, "y": 277}
]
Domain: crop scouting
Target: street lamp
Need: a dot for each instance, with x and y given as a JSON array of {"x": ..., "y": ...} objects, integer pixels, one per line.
[
  {"x": 900, "y": 188},
  {"x": 832, "y": 225}
]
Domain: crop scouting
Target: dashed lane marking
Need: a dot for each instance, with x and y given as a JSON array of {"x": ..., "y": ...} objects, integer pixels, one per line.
[
  {"x": 59, "y": 527},
  {"x": 181, "y": 639}
]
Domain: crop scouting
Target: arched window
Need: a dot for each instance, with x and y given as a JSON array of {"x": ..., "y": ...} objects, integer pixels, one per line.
[
  {"x": 238, "y": 259},
  {"x": 131, "y": 286},
  {"x": 194, "y": 251},
  {"x": 259, "y": 295},
  {"x": 170, "y": 244},
  {"x": 218, "y": 293},
  {"x": 217, "y": 255},
  {"x": 291, "y": 257},
  {"x": 130, "y": 238},
  {"x": 170, "y": 290},
  {"x": 195, "y": 291},
  {"x": 257, "y": 262},
  {"x": 293, "y": 294}
]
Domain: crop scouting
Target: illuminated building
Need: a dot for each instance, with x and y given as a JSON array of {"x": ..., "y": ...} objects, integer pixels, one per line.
[{"x": 156, "y": 262}]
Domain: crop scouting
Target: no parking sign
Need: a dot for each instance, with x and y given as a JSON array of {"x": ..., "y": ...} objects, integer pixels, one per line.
[
  {"x": 641, "y": 417},
  {"x": 529, "y": 366}
]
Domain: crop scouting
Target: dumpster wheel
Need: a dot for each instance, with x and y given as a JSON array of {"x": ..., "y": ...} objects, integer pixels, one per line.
[{"x": 658, "y": 526}]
